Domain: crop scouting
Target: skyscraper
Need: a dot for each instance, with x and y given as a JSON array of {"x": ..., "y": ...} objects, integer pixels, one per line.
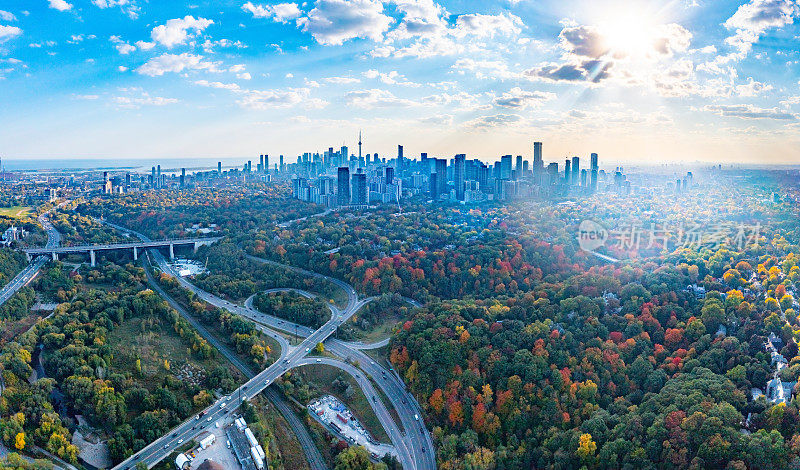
[
  {"x": 459, "y": 172},
  {"x": 359, "y": 194},
  {"x": 593, "y": 175},
  {"x": 441, "y": 176},
  {"x": 183, "y": 178},
  {"x": 576, "y": 164},
  {"x": 389, "y": 175},
  {"x": 433, "y": 185},
  {"x": 567, "y": 171},
  {"x": 505, "y": 167},
  {"x": 518, "y": 166},
  {"x": 343, "y": 195},
  {"x": 537, "y": 156},
  {"x": 219, "y": 168}
]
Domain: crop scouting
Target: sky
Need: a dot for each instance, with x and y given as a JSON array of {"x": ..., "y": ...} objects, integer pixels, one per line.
[{"x": 634, "y": 80}]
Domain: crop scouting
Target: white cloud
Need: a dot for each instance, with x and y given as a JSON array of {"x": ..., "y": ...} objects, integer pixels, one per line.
[
  {"x": 746, "y": 111},
  {"x": 7, "y": 16},
  {"x": 342, "y": 80},
  {"x": 129, "y": 7},
  {"x": 488, "y": 25},
  {"x": 752, "y": 88},
  {"x": 125, "y": 48},
  {"x": 390, "y": 78},
  {"x": 519, "y": 98},
  {"x": 122, "y": 68},
  {"x": 176, "y": 31},
  {"x": 135, "y": 102},
  {"x": 8, "y": 32},
  {"x": 334, "y": 21},
  {"x": 753, "y": 19},
  {"x": 497, "y": 120},
  {"x": 166, "y": 63},
  {"x": 244, "y": 76},
  {"x": 270, "y": 99},
  {"x": 375, "y": 98},
  {"x": 60, "y": 5},
  {"x": 218, "y": 85},
  {"x": 282, "y": 12},
  {"x": 145, "y": 45}
]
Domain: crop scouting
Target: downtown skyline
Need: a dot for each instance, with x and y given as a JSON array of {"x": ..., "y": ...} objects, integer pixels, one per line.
[{"x": 634, "y": 81}]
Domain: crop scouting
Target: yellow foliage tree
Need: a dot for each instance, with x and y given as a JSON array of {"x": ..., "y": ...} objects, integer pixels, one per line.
[
  {"x": 586, "y": 447},
  {"x": 19, "y": 441}
]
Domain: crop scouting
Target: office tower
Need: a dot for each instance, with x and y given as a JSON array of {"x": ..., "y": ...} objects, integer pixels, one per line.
[
  {"x": 525, "y": 167},
  {"x": 343, "y": 195},
  {"x": 518, "y": 166},
  {"x": 537, "y": 154},
  {"x": 584, "y": 177},
  {"x": 158, "y": 172},
  {"x": 281, "y": 163},
  {"x": 483, "y": 177},
  {"x": 359, "y": 191},
  {"x": 343, "y": 154},
  {"x": 389, "y": 175},
  {"x": 459, "y": 172},
  {"x": 593, "y": 176},
  {"x": 552, "y": 173},
  {"x": 127, "y": 180},
  {"x": 105, "y": 177},
  {"x": 219, "y": 168},
  {"x": 183, "y": 178},
  {"x": 567, "y": 171},
  {"x": 266, "y": 163},
  {"x": 678, "y": 186},
  {"x": 576, "y": 163},
  {"x": 441, "y": 178},
  {"x": 433, "y": 186},
  {"x": 399, "y": 154},
  {"x": 260, "y": 167},
  {"x": 505, "y": 167}
]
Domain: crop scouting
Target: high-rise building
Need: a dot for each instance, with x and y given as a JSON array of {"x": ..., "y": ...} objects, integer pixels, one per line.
[
  {"x": 593, "y": 175},
  {"x": 505, "y": 167},
  {"x": 359, "y": 191},
  {"x": 518, "y": 166},
  {"x": 537, "y": 154},
  {"x": 219, "y": 168},
  {"x": 183, "y": 178},
  {"x": 343, "y": 186},
  {"x": 459, "y": 173},
  {"x": 433, "y": 185},
  {"x": 389, "y": 175},
  {"x": 441, "y": 176},
  {"x": 576, "y": 164},
  {"x": 567, "y": 171}
]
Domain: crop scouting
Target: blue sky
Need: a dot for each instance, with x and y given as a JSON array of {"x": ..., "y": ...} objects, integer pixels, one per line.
[{"x": 635, "y": 80}]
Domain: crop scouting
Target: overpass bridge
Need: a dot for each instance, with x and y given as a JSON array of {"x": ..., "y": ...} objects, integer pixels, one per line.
[{"x": 135, "y": 246}]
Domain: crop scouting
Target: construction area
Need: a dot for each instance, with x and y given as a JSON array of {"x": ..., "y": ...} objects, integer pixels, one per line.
[{"x": 336, "y": 417}]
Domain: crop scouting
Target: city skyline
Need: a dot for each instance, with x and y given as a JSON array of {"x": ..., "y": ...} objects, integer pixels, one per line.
[{"x": 685, "y": 82}]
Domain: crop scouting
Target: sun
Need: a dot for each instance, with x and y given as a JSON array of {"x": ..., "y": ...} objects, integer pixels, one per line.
[{"x": 628, "y": 31}]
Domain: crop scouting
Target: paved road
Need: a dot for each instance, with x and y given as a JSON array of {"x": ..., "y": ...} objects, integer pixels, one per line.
[
  {"x": 306, "y": 442},
  {"x": 30, "y": 271},
  {"x": 414, "y": 447}
]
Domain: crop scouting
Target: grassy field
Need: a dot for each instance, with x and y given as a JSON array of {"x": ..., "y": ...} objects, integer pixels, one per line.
[
  {"x": 156, "y": 346},
  {"x": 320, "y": 378},
  {"x": 16, "y": 212}
]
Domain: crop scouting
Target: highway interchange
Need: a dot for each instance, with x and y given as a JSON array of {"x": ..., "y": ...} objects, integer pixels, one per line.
[{"x": 413, "y": 443}]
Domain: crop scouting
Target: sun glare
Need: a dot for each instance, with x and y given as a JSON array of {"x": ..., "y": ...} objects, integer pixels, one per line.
[{"x": 629, "y": 32}]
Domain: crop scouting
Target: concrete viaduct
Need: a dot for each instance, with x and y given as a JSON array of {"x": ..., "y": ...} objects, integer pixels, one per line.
[{"x": 135, "y": 246}]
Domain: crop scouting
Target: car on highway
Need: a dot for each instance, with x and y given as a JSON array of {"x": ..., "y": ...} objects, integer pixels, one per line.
[
  {"x": 319, "y": 360},
  {"x": 180, "y": 441}
]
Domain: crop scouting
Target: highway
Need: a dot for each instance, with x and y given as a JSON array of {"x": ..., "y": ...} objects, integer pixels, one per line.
[
  {"x": 121, "y": 246},
  {"x": 414, "y": 445},
  {"x": 32, "y": 269}
]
